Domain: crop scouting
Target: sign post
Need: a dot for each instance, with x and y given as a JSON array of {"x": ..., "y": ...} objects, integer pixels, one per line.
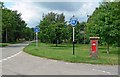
[
  {"x": 73, "y": 22},
  {"x": 73, "y": 40},
  {"x": 36, "y": 39},
  {"x": 36, "y": 30}
]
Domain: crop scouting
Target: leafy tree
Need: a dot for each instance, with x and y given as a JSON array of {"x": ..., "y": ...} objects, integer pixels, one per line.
[
  {"x": 80, "y": 32},
  {"x": 13, "y": 27},
  {"x": 53, "y": 28},
  {"x": 105, "y": 23},
  {"x": 1, "y": 5},
  {"x": 29, "y": 34}
]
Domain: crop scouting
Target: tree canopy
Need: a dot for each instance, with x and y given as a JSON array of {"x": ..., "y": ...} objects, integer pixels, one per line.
[
  {"x": 105, "y": 23},
  {"x": 54, "y": 29},
  {"x": 14, "y": 28}
]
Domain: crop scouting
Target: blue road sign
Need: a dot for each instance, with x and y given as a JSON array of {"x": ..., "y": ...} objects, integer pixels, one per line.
[
  {"x": 73, "y": 21},
  {"x": 36, "y": 29}
]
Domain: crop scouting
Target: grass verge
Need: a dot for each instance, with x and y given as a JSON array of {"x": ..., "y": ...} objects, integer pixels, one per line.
[
  {"x": 64, "y": 52},
  {"x": 3, "y": 44}
]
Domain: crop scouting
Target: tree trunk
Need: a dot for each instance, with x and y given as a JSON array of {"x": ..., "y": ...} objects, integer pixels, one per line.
[
  {"x": 107, "y": 48},
  {"x": 56, "y": 43},
  {"x": 118, "y": 55}
]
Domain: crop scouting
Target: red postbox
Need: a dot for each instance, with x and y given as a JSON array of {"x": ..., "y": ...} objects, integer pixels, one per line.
[
  {"x": 94, "y": 42},
  {"x": 94, "y": 46}
]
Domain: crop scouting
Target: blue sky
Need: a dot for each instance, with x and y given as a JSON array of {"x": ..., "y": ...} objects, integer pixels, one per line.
[
  {"x": 9, "y": 4},
  {"x": 32, "y": 11}
]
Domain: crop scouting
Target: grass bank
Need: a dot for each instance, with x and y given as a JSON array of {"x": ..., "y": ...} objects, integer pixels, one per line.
[
  {"x": 64, "y": 52},
  {"x": 3, "y": 44}
]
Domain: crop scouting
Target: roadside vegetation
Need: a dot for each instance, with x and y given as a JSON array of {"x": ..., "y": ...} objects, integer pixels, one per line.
[
  {"x": 3, "y": 44},
  {"x": 103, "y": 23},
  {"x": 14, "y": 29},
  {"x": 55, "y": 34},
  {"x": 82, "y": 53}
]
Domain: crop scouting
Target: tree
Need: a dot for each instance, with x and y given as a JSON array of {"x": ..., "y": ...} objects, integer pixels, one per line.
[
  {"x": 1, "y": 5},
  {"x": 105, "y": 23},
  {"x": 13, "y": 27},
  {"x": 28, "y": 33},
  {"x": 80, "y": 32},
  {"x": 53, "y": 28}
]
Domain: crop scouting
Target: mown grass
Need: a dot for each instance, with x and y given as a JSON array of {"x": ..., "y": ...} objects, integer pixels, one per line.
[
  {"x": 3, "y": 44},
  {"x": 82, "y": 53},
  {"x": 6, "y": 44}
]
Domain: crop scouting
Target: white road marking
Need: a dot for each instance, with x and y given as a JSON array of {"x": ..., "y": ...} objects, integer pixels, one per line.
[
  {"x": 54, "y": 60},
  {"x": 10, "y": 56},
  {"x": 88, "y": 64},
  {"x": 101, "y": 71},
  {"x": 68, "y": 63}
]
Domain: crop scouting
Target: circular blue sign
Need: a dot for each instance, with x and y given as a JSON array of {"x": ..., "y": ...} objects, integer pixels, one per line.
[
  {"x": 73, "y": 21},
  {"x": 36, "y": 29}
]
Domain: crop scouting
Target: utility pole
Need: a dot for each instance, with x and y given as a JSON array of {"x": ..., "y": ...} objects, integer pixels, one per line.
[
  {"x": 6, "y": 35},
  {"x": 84, "y": 34}
]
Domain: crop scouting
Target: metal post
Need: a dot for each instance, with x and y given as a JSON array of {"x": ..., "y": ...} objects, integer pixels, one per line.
[
  {"x": 34, "y": 36},
  {"x": 84, "y": 35},
  {"x": 36, "y": 39},
  {"x": 73, "y": 39},
  {"x": 6, "y": 35}
]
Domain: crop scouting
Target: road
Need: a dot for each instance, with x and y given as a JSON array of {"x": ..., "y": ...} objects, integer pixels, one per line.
[
  {"x": 16, "y": 62},
  {"x": 12, "y": 49}
]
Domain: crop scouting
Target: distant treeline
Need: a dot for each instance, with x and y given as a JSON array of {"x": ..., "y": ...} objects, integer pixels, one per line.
[
  {"x": 103, "y": 23},
  {"x": 14, "y": 29},
  {"x": 54, "y": 29}
]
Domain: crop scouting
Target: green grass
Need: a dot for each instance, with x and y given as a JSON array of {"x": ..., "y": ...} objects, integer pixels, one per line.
[
  {"x": 6, "y": 44},
  {"x": 3, "y": 44},
  {"x": 64, "y": 52}
]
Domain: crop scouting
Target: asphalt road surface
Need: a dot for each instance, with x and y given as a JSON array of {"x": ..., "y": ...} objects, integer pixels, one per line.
[
  {"x": 16, "y": 62},
  {"x": 12, "y": 49}
]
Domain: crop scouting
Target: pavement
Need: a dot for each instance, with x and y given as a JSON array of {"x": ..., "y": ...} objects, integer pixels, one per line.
[{"x": 17, "y": 62}]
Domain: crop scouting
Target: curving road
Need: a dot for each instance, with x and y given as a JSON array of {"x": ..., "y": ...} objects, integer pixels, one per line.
[
  {"x": 25, "y": 64},
  {"x": 12, "y": 49}
]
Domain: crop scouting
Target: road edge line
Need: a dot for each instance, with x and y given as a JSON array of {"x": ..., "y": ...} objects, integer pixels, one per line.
[
  {"x": 11, "y": 56},
  {"x": 102, "y": 71}
]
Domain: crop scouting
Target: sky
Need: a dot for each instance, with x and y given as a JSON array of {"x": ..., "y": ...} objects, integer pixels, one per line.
[{"x": 32, "y": 11}]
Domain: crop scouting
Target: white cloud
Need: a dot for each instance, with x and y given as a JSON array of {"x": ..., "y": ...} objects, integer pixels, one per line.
[
  {"x": 32, "y": 13},
  {"x": 86, "y": 8},
  {"x": 54, "y": 0}
]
